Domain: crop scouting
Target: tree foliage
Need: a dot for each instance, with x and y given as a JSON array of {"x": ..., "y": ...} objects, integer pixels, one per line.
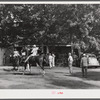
[{"x": 50, "y": 24}]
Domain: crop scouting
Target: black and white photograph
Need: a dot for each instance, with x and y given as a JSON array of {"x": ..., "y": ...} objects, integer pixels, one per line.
[{"x": 49, "y": 46}]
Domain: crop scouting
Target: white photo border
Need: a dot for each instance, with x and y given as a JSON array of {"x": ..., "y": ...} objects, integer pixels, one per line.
[{"x": 47, "y": 93}]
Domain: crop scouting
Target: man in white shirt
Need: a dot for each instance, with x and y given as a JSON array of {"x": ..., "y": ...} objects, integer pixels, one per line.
[
  {"x": 53, "y": 59},
  {"x": 16, "y": 53},
  {"x": 34, "y": 50},
  {"x": 50, "y": 60},
  {"x": 70, "y": 62}
]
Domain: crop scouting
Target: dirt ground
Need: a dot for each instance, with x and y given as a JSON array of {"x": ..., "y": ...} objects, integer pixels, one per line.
[{"x": 55, "y": 78}]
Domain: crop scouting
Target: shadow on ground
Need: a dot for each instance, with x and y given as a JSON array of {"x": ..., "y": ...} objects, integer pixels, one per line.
[
  {"x": 11, "y": 71},
  {"x": 8, "y": 70},
  {"x": 26, "y": 73},
  {"x": 73, "y": 84},
  {"x": 90, "y": 75}
]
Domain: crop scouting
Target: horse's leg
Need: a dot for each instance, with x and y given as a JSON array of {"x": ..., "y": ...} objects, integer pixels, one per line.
[
  {"x": 30, "y": 67},
  {"x": 42, "y": 67},
  {"x": 14, "y": 67},
  {"x": 18, "y": 68},
  {"x": 25, "y": 66},
  {"x": 13, "y": 64},
  {"x": 18, "y": 65}
]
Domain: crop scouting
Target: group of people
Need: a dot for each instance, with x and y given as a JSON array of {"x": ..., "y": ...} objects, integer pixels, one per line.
[
  {"x": 51, "y": 58},
  {"x": 83, "y": 64},
  {"x": 34, "y": 52}
]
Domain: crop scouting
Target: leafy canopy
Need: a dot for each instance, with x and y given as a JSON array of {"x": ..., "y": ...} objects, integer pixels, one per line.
[{"x": 50, "y": 24}]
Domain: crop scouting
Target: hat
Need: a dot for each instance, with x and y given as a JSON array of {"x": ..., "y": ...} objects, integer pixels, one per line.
[
  {"x": 84, "y": 54},
  {"x": 34, "y": 45}
]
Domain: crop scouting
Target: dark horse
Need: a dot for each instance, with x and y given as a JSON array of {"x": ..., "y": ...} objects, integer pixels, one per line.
[
  {"x": 38, "y": 60},
  {"x": 15, "y": 60}
]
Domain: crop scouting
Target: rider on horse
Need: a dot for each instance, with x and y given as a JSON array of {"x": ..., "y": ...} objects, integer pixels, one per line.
[
  {"x": 33, "y": 52},
  {"x": 33, "y": 57}
]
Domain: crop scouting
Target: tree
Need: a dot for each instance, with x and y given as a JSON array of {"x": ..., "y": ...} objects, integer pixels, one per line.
[{"x": 49, "y": 24}]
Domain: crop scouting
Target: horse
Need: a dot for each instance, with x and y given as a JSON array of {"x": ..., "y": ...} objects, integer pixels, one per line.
[
  {"x": 15, "y": 60},
  {"x": 38, "y": 60},
  {"x": 22, "y": 59}
]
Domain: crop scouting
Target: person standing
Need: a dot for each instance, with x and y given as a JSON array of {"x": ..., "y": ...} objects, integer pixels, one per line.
[
  {"x": 16, "y": 53},
  {"x": 84, "y": 65},
  {"x": 70, "y": 63},
  {"x": 50, "y": 60},
  {"x": 53, "y": 59},
  {"x": 75, "y": 57}
]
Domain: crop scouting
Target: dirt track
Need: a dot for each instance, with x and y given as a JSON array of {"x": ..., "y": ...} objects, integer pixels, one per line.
[{"x": 55, "y": 78}]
